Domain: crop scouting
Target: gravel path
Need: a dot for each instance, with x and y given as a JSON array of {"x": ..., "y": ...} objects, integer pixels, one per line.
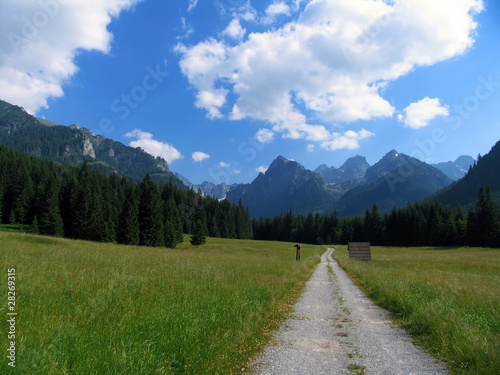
[{"x": 336, "y": 329}]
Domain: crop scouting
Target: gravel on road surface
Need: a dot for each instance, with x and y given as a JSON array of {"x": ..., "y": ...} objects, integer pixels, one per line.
[{"x": 336, "y": 329}]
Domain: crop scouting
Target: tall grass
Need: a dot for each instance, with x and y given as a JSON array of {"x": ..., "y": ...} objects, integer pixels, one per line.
[
  {"x": 448, "y": 299},
  {"x": 92, "y": 308}
]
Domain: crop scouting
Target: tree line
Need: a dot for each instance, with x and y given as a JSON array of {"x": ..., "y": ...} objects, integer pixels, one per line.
[
  {"x": 417, "y": 224},
  {"x": 80, "y": 203}
]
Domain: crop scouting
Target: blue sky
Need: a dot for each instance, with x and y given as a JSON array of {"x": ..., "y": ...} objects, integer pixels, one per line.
[{"x": 220, "y": 88}]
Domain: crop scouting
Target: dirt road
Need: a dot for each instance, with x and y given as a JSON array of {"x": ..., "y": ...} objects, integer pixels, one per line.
[{"x": 336, "y": 329}]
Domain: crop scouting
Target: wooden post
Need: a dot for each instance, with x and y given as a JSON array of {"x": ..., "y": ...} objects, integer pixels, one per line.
[{"x": 360, "y": 251}]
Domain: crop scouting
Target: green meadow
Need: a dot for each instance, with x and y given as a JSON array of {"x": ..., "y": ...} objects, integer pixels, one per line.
[
  {"x": 448, "y": 299},
  {"x": 94, "y": 308}
]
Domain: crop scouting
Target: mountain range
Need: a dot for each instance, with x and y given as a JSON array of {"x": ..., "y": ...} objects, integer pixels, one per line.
[
  {"x": 285, "y": 186},
  {"x": 393, "y": 181},
  {"x": 352, "y": 169},
  {"x": 456, "y": 169}
]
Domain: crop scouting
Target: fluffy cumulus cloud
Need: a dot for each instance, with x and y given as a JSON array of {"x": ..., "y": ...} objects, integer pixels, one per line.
[
  {"x": 234, "y": 29},
  {"x": 40, "y": 40},
  {"x": 199, "y": 156},
  {"x": 274, "y": 10},
  {"x": 418, "y": 115},
  {"x": 145, "y": 141},
  {"x": 277, "y": 8},
  {"x": 327, "y": 67},
  {"x": 349, "y": 139},
  {"x": 264, "y": 135}
]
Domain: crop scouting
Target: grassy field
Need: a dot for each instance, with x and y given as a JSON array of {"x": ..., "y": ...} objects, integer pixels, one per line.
[
  {"x": 92, "y": 308},
  {"x": 448, "y": 299}
]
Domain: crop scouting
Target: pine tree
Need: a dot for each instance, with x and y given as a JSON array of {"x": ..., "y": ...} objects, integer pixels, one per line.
[
  {"x": 12, "y": 217},
  {"x": 198, "y": 238},
  {"x": 1, "y": 198},
  {"x": 49, "y": 215},
  {"x": 89, "y": 214},
  {"x": 23, "y": 195},
  {"x": 173, "y": 224},
  {"x": 150, "y": 214},
  {"x": 483, "y": 222},
  {"x": 461, "y": 225},
  {"x": 34, "y": 226},
  {"x": 373, "y": 226},
  {"x": 128, "y": 221}
]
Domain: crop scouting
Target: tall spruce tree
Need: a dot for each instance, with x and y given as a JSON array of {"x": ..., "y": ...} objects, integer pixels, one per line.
[
  {"x": 483, "y": 222},
  {"x": 198, "y": 237},
  {"x": 150, "y": 214},
  {"x": 49, "y": 215},
  {"x": 89, "y": 213},
  {"x": 173, "y": 224},
  {"x": 23, "y": 195},
  {"x": 128, "y": 222}
]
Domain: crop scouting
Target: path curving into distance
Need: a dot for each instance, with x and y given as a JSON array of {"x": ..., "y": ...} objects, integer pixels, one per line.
[{"x": 336, "y": 329}]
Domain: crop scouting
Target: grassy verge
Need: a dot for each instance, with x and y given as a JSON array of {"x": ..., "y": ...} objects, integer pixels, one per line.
[
  {"x": 16, "y": 228},
  {"x": 448, "y": 299},
  {"x": 92, "y": 308}
]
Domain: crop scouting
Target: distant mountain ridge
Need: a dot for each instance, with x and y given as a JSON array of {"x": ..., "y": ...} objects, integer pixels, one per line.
[
  {"x": 352, "y": 169},
  {"x": 456, "y": 169},
  {"x": 218, "y": 191},
  {"x": 73, "y": 145},
  {"x": 285, "y": 186},
  {"x": 393, "y": 181},
  {"x": 464, "y": 192}
]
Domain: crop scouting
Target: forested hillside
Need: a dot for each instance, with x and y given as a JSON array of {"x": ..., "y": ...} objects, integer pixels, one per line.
[
  {"x": 77, "y": 202},
  {"x": 73, "y": 145},
  {"x": 486, "y": 171}
]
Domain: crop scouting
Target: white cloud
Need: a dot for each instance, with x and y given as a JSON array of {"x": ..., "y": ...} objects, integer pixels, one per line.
[
  {"x": 349, "y": 139},
  {"x": 262, "y": 169},
  {"x": 234, "y": 30},
  {"x": 192, "y": 5},
  {"x": 40, "y": 40},
  {"x": 264, "y": 136},
  {"x": 241, "y": 9},
  {"x": 274, "y": 10},
  {"x": 418, "y": 115},
  {"x": 188, "y": 29},
  {"x": 151, "y": 146},
  {"x": 277, "y": 8},
  {"x": 199, "y": 156},
  {"x": 310, "y": 147},
  {"x": 232, "y": 166},
  {"x": 328, "y": 66}
]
